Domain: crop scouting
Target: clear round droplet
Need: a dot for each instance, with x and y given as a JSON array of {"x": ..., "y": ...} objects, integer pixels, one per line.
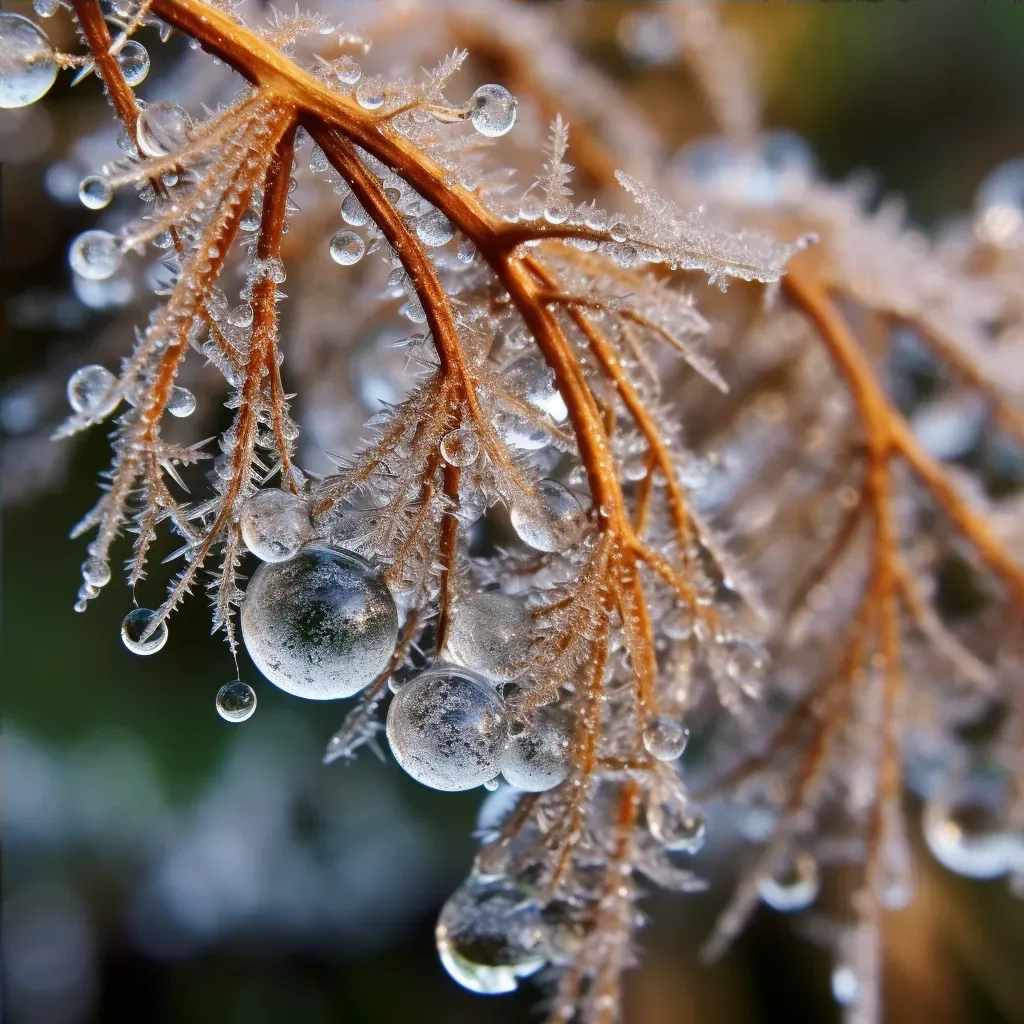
[
  {"x": 135, "y": 626},
  {"x": 133, "y": 59},
  {"x": 555, "y": 522},
  {"x": 45, "y": 8},
  {"x": 96, "y": 572},
  {"x": 321, "y": 625},
  {"x": 531, "y": 207},
  {"x": 95, "y": 255},
  {"x": 447, "y": 728},
  {"x": 490, "y": 934},
  {"x": 466, "y": 252},
  {"x": 538, "y": 757},
  {"x": 370, "y": 93},
  {"x": 94, "y": 192},
  {"x": 494, "y": 110},
  {"x": 352, "y": 211},
  {"x": 460, "y": 447},
  {"x": 275, "y": 524},
  {"x": 236, "y": 701},
  {"x": 347, "y": 248},
  {"x": 491, "y": 633},
  {"x": 89, "y": 390},
  {"x": 27, "y": 65},
  {"x": 531, "y": 380},
  {"x": 348, "y": 71},
  {"x": 793, "y": 888},
  {"x": 181, "y": 402},
  {"x": 163, "y": 127},
  {"x": 250, "y": 220},
  {"x": 677, "y": 824},
  {"x": 665, "y": 738},
  {"x": 434, "y": 229},
  {"x": 746, "y": 664}
]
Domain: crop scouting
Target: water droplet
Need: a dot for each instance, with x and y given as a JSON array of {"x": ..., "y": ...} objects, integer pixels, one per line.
[
  {"x": 96, "y": 572},
  {"x": 434, "y": 229},
  {"x": 348, "y": 71},
  {"x": 347, "y": 248},
  {"x": 321, "y": 625},
  {"x": 250, "y": 221},
  {"x": 135, "y": 626},
  {"x": 27, "y": 67},
  {"x": 618, "y": 231},
  {"x": 370, "y": 93},
  {"x": 557, "y": 211},
  {"x": 538, "y": 757},
  {"x": 677, "y": 824},
  {"x": 236, "y": 701},
  {"x": 94, "y": 192},
  {"x": 491, "y": 785},
  {"x": 531, "y": 207},
  {"x": 466, "y": 252},
  {"x": 95, "y": 255},
  {"x": 45, "y": 8},
  {"x": 678, "y": 624},
  {"x": 530, "y": 379},
  {"x": 460, "y": 447},
  {"x": 163, "y": 127},
  {"x": 794, "y": 887},
  {"x": 491, "y": 633},
  {"x": 746, "y": 664},
  {"x": 133, "y": 59},
  {"x": 447, "y": 728},
  {"x": 181, "y": 402},
  {"x": 275, "y": 523},
  {"x": 665, "y": 738},
  {"x": 845, "y": 985},
  {"x": 553, "y": 523},
  {"x": 89, "y": 390},
  {"x": 352, "y": 211},
  {"x": 490, "y": 934},
  {"x": 494, "y": 110},
  {"x": 241, "y": 315}
]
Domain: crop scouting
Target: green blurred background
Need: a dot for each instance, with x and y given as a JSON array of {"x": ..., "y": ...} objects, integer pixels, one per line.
[{"x": 162, "y": 866}]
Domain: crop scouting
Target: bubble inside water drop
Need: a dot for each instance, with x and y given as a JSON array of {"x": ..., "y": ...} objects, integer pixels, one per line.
[
  {"x": 136, "y": 625},
  {"x": 236, "y": 701},
  {"x": 27, "y": 65}
]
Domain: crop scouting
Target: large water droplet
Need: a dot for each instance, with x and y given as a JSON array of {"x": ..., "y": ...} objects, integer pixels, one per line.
[
  {"x": 491, "y": 633},
  {"x": 275, "y": 523},
  {"x": 135, "y": 626},
  {"x": 163, "y": 127},
  {"x": 27, "y": 67},
  {"x": 794, "y": 887},
  {"x": 347, "y": 248},
  {"x": 321, "y": 625},
  {"x": 538, "y": 757},
  {"x": 555, "y": 522},
  {"x": 494, "y": 110},
  {"x": 665, "y": 738},
  {"x": 531, "y": 379},
  {"x": 370, "y": 93},
  {"x": 181, "y": 402},
  {"x": 447, "y": 728},
  {"x": 352, "y": 211},
  {"x": 348, "y": 71},
  {"x": 236, "y": 701},
  {"x": 460, "y": 447},
  {"x": 94, "y": 192},
  {"x": 133, "y": 59},
  {"x": 434, "y": 229},
  {"x": 95, "y": 255},
  {"x": 490, "y": 934},
  {"x": 89, "y": 390}
]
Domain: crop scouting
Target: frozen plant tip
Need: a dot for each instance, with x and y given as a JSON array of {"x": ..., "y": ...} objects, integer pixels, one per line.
[{"x": 598, "y": 506}]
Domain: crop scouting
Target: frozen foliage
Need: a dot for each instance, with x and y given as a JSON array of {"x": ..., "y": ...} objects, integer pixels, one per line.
[{"x": 578, "y": 503}]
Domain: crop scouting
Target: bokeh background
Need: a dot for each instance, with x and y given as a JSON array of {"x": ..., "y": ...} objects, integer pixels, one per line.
[{"x": 162, "y": 866}]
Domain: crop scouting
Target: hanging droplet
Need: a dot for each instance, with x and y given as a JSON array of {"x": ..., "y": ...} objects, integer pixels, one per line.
[
  {"x": 163, "y": 127},
  {"x": 250, "y": 221},
  {"x": 746, "y": 664},
  {"x": 133, "y": 60},
  {"x": 618, "y": 231},
  {"x": 370, "y": 93},
  {"x": 491, "y": 633},
  {"x": 447, "y": 728},
  {"x": 241, "y": 315},
  {"x": 794, "y": 887},
  {"x": 460, "y": 447},
  {"x": 665, "y": 738},
  {"x": 494, "y": 110},
  {"x": 45, "y": 8},
  {"x": 434, "y": 229},
  {"x": 491, "y": 785},
  {"x": 347, "y": 248},
  {"x": 490, "y": 934},
  {"x": 321, "y": 625},
  {"x": 27, "y": 65},
  {"x": 275, "y": 523},
  {"x": 999, "y": 206},
  {"x": 348, "y": 71},
  {"x": 677, "y": 824},
  {"x": 530, "y": 379},
  {"x": 94, "y": 192},
  {"x": 136, "y": 625},
  {"x": 181, "y": 402},
  {"x": 538, "y": 757},
  {"x": 466, "y": 252},
  {"x": 965, "y": 826},
  {"x": 95, "y": 255},
  {"x": 95, "y": 572},
  {"x": 90, "y": 390},
  {"x": 557, "y": 211},
  {"x": 845, "y": 985},
  {"x": 236, "y": 701},
  {"x": 352, "y": 211},
  {"x": 554, "y": 523}
]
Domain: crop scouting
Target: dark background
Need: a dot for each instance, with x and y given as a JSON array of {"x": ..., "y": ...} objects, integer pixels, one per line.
[{"x": 162, "y": 866}]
